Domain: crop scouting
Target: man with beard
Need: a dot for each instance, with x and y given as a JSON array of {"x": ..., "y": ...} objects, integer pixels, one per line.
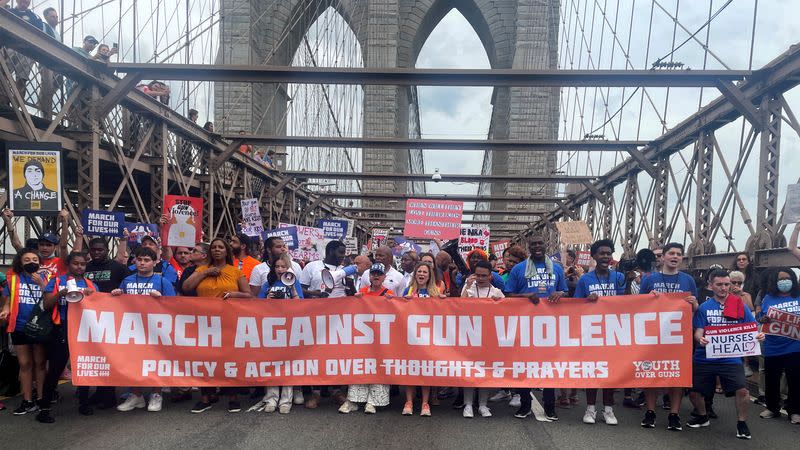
[
  {"x": 273, "y": 248},
  {"x": 394, "y": 279},
  {"x": 240, "y": 244}
]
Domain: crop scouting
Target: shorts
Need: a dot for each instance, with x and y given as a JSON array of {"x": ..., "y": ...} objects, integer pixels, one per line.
[
  {"x": 20, "y": 338},
  {"x": 704, "y": 378}
]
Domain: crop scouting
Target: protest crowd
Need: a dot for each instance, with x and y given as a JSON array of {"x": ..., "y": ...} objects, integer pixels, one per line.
[{"x": 46, "y": 270}]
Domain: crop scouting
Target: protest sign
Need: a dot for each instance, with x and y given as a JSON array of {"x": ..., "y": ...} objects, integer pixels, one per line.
[
  {"x": 184, "y": 221},
  {"x": 287, "y": 234},
  {"x": 310, "y": 243},
  {"x": 252, "y": 225},
  {"x": 403, "y": 245},
  {"x": 791, "y": 212},
  {"x": 472, "y": 238},
  {"x": 35, "y": 178},
  {"x": 351, "y": 245},
  {"x": 574, "y": 232},
  {"x": 333, "y": 228},
  {"x": 136, "y": 231},
  {"x": 428, "y": 219},
  {"x": 732, "y": 341},
  {"x": 499, "y": 247},
  {"x": 583, "y": 258},
  {"x": 133, "y": 340},
  {"x": 782, "y": 323},
  {"x": 379, "y": 236},
  {"x": 102, "y": 223}
]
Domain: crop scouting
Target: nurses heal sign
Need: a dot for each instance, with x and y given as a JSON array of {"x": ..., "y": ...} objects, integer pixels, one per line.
[
  {"x": 133, "y": 340},
  {"x": 732, "y": 341}
]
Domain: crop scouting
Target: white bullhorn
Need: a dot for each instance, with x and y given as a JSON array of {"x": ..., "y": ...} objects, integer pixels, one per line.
[
  {"x": 331, "y": 277},
  {"x": 74, "y": 293},
  {"x": 288, "y": 278}
]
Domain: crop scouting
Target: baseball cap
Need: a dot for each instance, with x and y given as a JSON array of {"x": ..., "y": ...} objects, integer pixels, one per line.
[
  {"x": 716, "y": 267},
  {"x": 377, "y": 268},
  {"x": 155, "y": 239},
  {"x": 49, "y": 237},
  {"x": 91, "y": 39}
]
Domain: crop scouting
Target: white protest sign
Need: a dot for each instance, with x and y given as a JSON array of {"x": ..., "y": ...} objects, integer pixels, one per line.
[
  {"x": 252, "y": 225},
  {"x": 791, "y": 213},
  {"x": 732, "y": 341}
]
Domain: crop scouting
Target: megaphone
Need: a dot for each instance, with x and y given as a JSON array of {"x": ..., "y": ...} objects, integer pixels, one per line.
[
  {"x": 331, "y": 277},
  {"x": 74, "y": 293},
  {"x": 288, "y": 278},
  {"x": 451, "y": 248}
]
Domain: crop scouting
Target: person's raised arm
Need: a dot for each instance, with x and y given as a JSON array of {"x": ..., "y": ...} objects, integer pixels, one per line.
[
  {"x": 793, "y": 241},
  {"x": 12, "y": 232},
  {"x": 122, "y": 249},
  {"x": 63, "y": 241}
]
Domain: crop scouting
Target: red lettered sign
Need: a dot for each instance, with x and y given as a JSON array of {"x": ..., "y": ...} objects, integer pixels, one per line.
[
  {"x": 440, "y": 219},
  {"x": 782, "y": 323}
]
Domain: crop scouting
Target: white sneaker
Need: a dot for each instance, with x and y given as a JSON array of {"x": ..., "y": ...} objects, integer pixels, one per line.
[
  {"x": 285, "y": 408},
  {"x": 297, "y": 397},
  {"x": 515, "y": 401},
  {"x": 369, "y": 408},
  {"x": 154, "y": 405},
  {"x": 748, "y": 372},
  {"x": 589, "y": 415},
  {"x": 794, "y": 418},
  {"x": 501, "y": 395},
  {"x": 609, "y": 417},
  {"x": 485, "y": 411},
  {"x": 767, "y": 414},
  {"x": 468, "y": 411},
  {"x": 348, "y": 407},
  {"x": 131, "y": 403},
  {"x": 270, "y": 406}
]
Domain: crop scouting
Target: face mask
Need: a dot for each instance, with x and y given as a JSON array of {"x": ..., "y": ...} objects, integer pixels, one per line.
[
  {"x": 784, "y": 285},
  {"x": 30, "y": 267}
]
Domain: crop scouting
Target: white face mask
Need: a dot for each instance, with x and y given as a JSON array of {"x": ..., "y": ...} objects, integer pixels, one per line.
[{"x": 784, "y": 285}]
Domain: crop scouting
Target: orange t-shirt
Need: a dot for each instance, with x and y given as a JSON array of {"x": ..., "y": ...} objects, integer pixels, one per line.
[
  {"x": 367, "y": 292},
  {"x": 228, "y": 280},
  {"x": 246, "y": 265}
]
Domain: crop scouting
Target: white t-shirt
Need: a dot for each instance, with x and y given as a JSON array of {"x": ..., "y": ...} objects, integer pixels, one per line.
[
  {"x": 404, "y": 283},
  {"x": 311, "y": 276},
  {"x": 481, "y": 292},
  {"x": 393, "y": 281},
  {"x": 259, "y": 274}
]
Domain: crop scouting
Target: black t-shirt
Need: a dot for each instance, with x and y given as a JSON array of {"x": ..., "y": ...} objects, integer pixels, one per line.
[
  {"x": 187, "y": 272},
  {"x": 107, "y": 275}
]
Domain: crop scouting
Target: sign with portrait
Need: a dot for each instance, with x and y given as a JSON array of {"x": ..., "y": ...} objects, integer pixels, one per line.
[{"x": 35, "y": 178}]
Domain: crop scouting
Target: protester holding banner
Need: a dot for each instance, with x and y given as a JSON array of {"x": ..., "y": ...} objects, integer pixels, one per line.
[
  {"x": 669, "y": 279},
  {"x": 781, "y": 353},
  {"x": 220, "y": 278},
  {"x": 311, "y": 276},
  {"x": 437, "y": 273},
  {"x": 198, "y": 257},
  {"x": 473, "y": 257},
  {"x": 274, "y": 247},
  {"x": 22, "y": 301},
  {"x": 275, "y": 286},
  {"x": 722, "y": 309},
  {"x": 55, "y": 296},
  {"x": 180, "y": 259},
  {"x": 602, "y": 282},
  {"x": 394, "y": 279},
  {"x": 423, "y": 284},
  {"x": 536, "y": 278},
  {"x": 162, "y": 267},
  {"x": 408, "y": 261},
  {"x": 104, "y": 272},
  {"x": 240, "y": 244}
]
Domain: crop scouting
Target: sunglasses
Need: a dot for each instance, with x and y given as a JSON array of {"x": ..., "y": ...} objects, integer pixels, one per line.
[{"x": 737, "y": 282}]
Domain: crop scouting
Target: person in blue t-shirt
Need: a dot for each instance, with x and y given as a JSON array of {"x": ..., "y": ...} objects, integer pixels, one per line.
[
  {"x": 729, "y": 370},
  {"x": 145, "y": 281},
  {"x": 781, "y": 354},
  {"x": 535, "y": 278},
  {"x": 601, "y": 282},
  {"x": 275, "y": 287},
  {"x": 162, "y": 267},
  {"x": 668, "y": 279},
  {"x": 55, "y": 295}
]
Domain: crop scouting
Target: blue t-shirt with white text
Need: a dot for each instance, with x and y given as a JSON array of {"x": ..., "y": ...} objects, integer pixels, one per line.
[
  {"x": 62, "y": 301},
  {"x": 604, "y": 286},
  {"x": 710, "y": 314},
  {"x": 29, "y": 295},
  {"x": 279, "y": 288},
  {"x": 140, "y": 285},
  {"x": 517, "y": 283},
  {"x": 779, "y": 345},
  {"x": 659, "y": 282}
]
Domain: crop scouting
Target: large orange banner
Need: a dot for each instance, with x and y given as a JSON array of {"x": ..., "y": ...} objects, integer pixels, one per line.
[{"x": 626, "y": 341}]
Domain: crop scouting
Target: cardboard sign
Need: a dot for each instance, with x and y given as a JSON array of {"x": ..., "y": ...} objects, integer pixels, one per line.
[
  {"x": 574, "y": 232},
  {"x": 333, "y": 228},
  {"x": 35, "y": 178},
  {"x": 791, "y": 212},
  {"x": 782, "y": 324},
  {"x": 184, "y": 221},
  {"x": 287, "y": 234},
  {"x": 732, "y": 341},
  {"x": 252, "y": 225},
  {"x": 310, "y": 243},
  {"x": 429, "y": 219},
  {"x": 583, "y": 258},
  {"x": 102, "y": 223},
  {"x": 472, "y": 238},
  {"x": 136, "y": 340},
  {"x": 136, "y": 231}
]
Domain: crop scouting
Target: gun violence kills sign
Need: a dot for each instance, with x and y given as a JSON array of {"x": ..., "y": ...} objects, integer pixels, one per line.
[
  {"x": 430, "y": 219},
  {"x": 132, "y": 340}
]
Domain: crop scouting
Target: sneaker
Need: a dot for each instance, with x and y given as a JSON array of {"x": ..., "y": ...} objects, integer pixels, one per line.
[
  {"x": 44, "y": 416},
  {"x": 641, "y": 400},
  {"x": 760, "y": 400},
  {"x": 408, "y": 409},
  {"x": 426, "y": 410},
  {"x": 484, "y": 411},
  {"x": 313, "y": 401},
  {"x": 589, "y": 415},
  {"x": 468, "y": 412},
  {"x": 297, "y": 397},
  {"x": 234, "y": 406},
  {"x": 270, "y": 406},
  {"x": 550, "y": 412},
  {"x": 522, "y": 413},
  {"x": 698, "y": 421},
  {"x": 515, "y": 401},
  {"x": 131, "y": 403},
  {"x": 666, "y": 403},
  {"x": 154, "y": 405},
  {"x": 748, "y": 372},
  {"x": 25, "y": 407},
  {"x": 674, "y": 422},
  {"x": 794, "y": 419},
  {"x": 201, "y": 407},
  {"x": 768, "y": 414},
  {"x": 458, "y": 403},
  {"x": 628, "y": 402},
  {"x": 339, "y": 398},
  {"x": 285, "y": 408},
  {"x": 501, "y": 395},
  {"x": 369, "y": 408},
  {"x": 85, "y": 410},
  {"x": 649, "y": 420},
  {"x": 348, "y": 407},
  {"x": 742, "y": 432},
  {"x": 608, "y": 416}
]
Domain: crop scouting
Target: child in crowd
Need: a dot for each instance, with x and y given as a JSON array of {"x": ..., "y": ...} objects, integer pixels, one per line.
[
  {"x": 372, "y": 395},
  {"x": 479, "y": 285},
  {"x": 144, "y": 282}
]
